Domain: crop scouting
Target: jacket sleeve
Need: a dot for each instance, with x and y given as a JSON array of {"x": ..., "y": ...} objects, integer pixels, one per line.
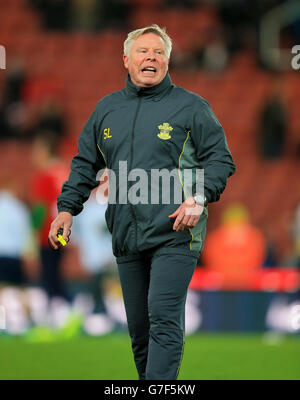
[
  {"x": 211, "y": 150},
  {"x": 84, "y": 168}
]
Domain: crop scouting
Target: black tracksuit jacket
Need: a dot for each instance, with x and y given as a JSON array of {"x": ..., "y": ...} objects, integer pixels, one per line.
[{"x": 161, "y": 127}]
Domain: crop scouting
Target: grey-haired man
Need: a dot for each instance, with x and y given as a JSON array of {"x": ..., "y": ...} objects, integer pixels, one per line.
[{"x": 152, "y": 125}]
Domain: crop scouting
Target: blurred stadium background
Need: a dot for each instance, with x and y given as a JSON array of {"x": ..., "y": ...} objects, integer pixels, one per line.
[{"x": 62, "y": 56}]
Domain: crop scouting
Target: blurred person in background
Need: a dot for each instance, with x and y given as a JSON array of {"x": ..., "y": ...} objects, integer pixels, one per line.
[
  {"x": 50, "y": 173},
  {"x": 296, "y": 235},
  {"x": 51, "y": 119},
  {"x": 15, "y": 242},
  {"x": 3, "y": 122},
  {"x": 156, "y": 245},
  {"x": 86, "y": 15},
  {"x": 15, "y": 119},
  {"x": 236, "y": 248},
  {"x": 18, "y": 122},
  {"x": 210, "y": 53},
  {"x": 56, "y": 13},
  {"x": 15, "y": 233},
  {"x": 93, "y": 239},
  {"x": 16, "y": 77},
  {"x": 215, "y": 56},
  {"x": 272, "y": 258},
  {"x": 273, "y": 124},
  {"x": 240, "y": 20},
  {"x": 293, "y": 259},
  {"x": 83, "y": 15},
  {"x": 116, "y": 13}
]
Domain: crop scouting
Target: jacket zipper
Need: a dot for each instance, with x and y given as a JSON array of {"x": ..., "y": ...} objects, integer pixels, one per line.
[{"x": 130, "y": 165}]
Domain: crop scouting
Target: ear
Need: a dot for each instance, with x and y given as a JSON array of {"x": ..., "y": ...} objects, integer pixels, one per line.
[{"x": 125, "y": 61}]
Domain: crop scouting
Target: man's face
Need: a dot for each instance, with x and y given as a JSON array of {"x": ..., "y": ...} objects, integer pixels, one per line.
[{"x": 147, "y": 63}]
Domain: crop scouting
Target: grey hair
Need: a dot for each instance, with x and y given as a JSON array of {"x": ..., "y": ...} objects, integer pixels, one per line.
[{"x": 148, "y": 29}]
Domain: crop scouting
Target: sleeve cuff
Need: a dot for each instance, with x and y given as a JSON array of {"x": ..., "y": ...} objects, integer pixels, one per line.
[{"x": 66, "y": 209}]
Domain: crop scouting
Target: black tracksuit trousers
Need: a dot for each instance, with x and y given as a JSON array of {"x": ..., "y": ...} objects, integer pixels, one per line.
[{"x": 154, "y": 290}]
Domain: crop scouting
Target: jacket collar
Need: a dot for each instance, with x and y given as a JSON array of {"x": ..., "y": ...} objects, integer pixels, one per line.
[{"x": 156, "y": 91}]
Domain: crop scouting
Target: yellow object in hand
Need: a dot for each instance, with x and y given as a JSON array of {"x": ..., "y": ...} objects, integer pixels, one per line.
[{"x": 61, "y": 240}]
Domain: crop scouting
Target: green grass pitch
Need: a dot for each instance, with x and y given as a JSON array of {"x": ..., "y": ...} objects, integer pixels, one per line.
[{"x": 207, "y": 356}]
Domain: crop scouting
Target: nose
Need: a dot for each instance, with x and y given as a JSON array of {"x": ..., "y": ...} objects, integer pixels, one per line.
[{"x": 151, "y": 55}]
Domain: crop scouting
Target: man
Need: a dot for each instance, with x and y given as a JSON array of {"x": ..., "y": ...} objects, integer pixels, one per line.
[
  {"x": 15, "y": 233},
  {"x": 49, "y": 175},
  {"x": 152, "y": 124},
  {"x": 236, "y": 248}
]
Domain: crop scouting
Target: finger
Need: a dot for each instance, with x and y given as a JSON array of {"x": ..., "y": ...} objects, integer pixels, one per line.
[
  {"x": 185, "y": 226},
  {"x": 189, "y": 223},
  {"x": 52, "y": 244},
  {"x": 175, "y": 213},
  {"x": 67, "y": 232},
  {"x": 52, "y": 239},
  {"x": 194, "y": 221},
  {"x": 186, "y": 220},
  {"x": 178, "y": 220},
  {"x": 53, "y": 235}
]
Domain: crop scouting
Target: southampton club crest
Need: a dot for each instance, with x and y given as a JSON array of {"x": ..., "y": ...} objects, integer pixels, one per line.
[{"x": 164, "y": 131}]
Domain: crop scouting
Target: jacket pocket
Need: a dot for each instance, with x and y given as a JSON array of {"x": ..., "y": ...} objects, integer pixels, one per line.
[{"x": 120, "y": 224}]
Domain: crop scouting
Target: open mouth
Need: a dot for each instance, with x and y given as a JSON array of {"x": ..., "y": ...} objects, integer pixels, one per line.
[{"x": 149, "y": 70}]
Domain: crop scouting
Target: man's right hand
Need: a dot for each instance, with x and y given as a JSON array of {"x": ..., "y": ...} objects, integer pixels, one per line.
[{"x": 64, "y": 221}]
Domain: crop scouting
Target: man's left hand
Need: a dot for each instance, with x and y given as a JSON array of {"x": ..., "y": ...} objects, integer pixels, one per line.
[{"x": 187, "y": 215}]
